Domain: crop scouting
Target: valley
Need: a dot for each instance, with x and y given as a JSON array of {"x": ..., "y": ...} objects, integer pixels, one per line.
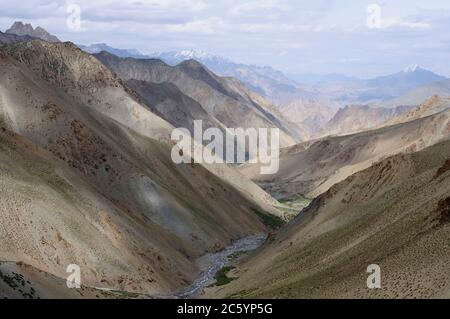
[{"x": 89, "y": 177}]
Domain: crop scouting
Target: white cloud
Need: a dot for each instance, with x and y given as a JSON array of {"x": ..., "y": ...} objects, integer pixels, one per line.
[
  {"x": 212, "y": 25},
  {"x": 255, "y": 7}
]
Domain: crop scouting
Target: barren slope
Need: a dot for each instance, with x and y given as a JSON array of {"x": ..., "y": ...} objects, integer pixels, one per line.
[
  {"x": 311, "y": 168},
  {"x": 222, "y": 98},
  {"x": 355, "y": 118},
  {"x": 395, "y": 214},
  {"x": 433, "y": 105},
  {"x": 69, "y": 104}
]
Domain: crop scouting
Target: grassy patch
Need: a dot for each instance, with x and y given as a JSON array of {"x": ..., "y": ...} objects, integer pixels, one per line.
[
  {"x": 269, "y": 220},
  {"x": 291, "y": 207},
  {"x": 221, "y": 276},
  {"x": 297, "y": 202}
]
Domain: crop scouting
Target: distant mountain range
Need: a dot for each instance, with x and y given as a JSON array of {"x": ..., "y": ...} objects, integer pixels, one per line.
[
  {"x": 308, "y": 100},
  {"x": 123, "y": 53}
]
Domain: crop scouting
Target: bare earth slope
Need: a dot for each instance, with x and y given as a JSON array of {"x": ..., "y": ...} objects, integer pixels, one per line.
[
  {"x": 395, "y": 214},
  {"x": 355, "y": 118},
  {"x": 311, "y": 168},
  {"x": 101, "y": 141},
  {"x": 433, "y": 105},
  {"x": 230, "y": 104}
]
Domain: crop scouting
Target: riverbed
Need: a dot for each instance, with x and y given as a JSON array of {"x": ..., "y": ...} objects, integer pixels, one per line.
[{"x": 210, "y": 264}]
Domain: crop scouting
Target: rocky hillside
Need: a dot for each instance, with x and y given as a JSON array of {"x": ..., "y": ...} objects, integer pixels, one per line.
[
  {"x": 431, "y": 106},
  {"x": 88, "y": 166},
  {"x": 356, "y": 118},
  {"x": 395, "y": 214},
  {"x": 311, "y": 168},
  {"x": 21, "y": 29},
  {"x": 223, "y": 98}
]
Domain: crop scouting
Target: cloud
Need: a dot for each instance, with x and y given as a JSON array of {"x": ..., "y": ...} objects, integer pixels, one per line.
[
  {"x": 294, "y": 35},
  {"x": 212, "y": 25}
]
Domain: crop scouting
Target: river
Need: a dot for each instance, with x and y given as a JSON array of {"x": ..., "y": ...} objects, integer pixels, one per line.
[{"x": 212, "y": 263}]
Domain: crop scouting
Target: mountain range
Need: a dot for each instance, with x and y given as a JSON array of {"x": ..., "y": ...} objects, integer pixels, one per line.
[
  {"x": 88, "y": 165},
  {"x": 87, "y": 178}
]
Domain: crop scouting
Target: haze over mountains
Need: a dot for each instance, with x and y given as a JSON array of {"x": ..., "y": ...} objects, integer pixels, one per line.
[
  {"x": 312, "y": 100},
  {"x": 87, "y": 178}
]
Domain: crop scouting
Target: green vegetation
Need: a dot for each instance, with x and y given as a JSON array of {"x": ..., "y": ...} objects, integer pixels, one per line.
[
  {"x": 221, "y": 276},
  {"x": 291, "y": 207},
  {"x": 297, "y": 202},
  {"x": 269, "y": 220}
]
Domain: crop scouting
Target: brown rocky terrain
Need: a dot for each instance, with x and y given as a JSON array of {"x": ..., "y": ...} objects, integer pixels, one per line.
[
  {"x": 357, "y": 118},
  {"x": 394, "y": 214},
  {"x": 224, "y": 99},
  {"x": 311, "y": 168},
  {"x": 88, "y": 179}
]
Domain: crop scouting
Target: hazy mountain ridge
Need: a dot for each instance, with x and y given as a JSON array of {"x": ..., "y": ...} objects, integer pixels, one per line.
[
  {"x": 356, "y": 118},
  {"x": 22, "y": 29},
  {"x": 222, "y": 98}
]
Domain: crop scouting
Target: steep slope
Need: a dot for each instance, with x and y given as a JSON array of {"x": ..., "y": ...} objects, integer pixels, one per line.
[
  {"x": 356, "y": 118},
  {"x": 309, "y": 114},
  {"x": 6, "y": 38},
  {"x": 69, "y": 104},
  {"x": 51, "y": 218},
  {"x": 21, "y": 281},
  {"x": 168, "y": 102},
  {"x": 395, "y": 214},
  {"x": 263, "y": 80},
  {"x": 216, "y": 95},
  {"x": 311, "y": 168},
  {"x": 431, "y": 106}
]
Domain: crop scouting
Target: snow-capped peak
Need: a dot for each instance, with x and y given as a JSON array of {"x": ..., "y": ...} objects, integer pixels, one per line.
[
  {"x": 412, "y": 68},
  {"x": 192, "y": 54}
]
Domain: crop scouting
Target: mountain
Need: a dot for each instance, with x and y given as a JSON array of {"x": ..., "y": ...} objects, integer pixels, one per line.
[
  {"x": 395, "y": 214},
  {"x": 6, "y": 38},
  {"x": 356, "y": 118},
  {"x": 397, "y": 84},
  {"x": 309, "y": 114},
  {"x": 225, "y": 99},
  {"x": 263, "y": 80},
  {"x": 380, "y": 91},
  {"x": 88, "y": 166},
  {"x": 19, "y": 28},
  {"x": 312, "y": 167},
  {"x": 99, "y": 47},
  {"x": 321, "y": 79},
  {"x": 435, "y": 104},
  {"x": 417, "y": 95}
]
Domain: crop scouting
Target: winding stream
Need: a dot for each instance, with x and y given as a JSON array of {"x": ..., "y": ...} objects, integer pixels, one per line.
[{"x": 212, "y": 263}]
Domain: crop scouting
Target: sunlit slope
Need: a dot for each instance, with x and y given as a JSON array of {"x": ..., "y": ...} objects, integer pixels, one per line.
[
  {"x": 311, "y": 168},
  {"x": 395, "y": 214},
  {"x": 67, "y": 103}
]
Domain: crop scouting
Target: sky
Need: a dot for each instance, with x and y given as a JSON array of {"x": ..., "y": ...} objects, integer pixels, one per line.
[{"x": 352, "y": 37}]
